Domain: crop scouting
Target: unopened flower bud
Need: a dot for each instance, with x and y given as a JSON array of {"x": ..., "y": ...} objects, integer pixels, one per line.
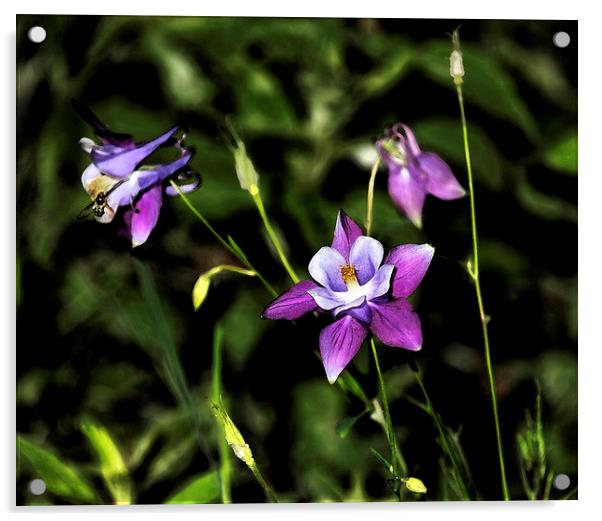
[
  {"x": 87, "y": 144},
  {"x": 415, "y": 485},
  {"x": 233, "y": 436},
  {"x": 245, "y": 171},
  {"x": 456, "y": 66}
]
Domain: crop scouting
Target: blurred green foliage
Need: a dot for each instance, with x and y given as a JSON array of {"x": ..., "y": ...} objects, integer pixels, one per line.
[{"x": 128, "y": 355}]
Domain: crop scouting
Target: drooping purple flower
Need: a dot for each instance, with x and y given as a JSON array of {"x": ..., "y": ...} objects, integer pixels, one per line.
[
  {"x": 413, "y": 173},
  {"x": 116, "y": 176},
  {"x": 364, "y": 291}
]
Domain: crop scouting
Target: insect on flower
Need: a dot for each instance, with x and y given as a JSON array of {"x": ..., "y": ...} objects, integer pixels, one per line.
[
  {"x": 116, "y": 176},
  {"x": 363, "y": 290}
]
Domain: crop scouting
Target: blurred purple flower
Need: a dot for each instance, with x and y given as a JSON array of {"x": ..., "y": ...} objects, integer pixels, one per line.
[
  {"x": 413, "y": 173},
  {"x": 116, "y": 177},
  {"x": 361, "y": 291}
]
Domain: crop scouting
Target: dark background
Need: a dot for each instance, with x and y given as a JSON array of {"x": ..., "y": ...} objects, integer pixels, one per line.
[{"x": 309, "y": 97}]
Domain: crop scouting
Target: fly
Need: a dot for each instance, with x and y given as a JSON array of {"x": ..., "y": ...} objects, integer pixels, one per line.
[{"x": 99, "y": 204}]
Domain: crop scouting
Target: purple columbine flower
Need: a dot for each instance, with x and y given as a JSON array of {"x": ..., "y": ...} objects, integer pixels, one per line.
[
  {"x": 413, "y": 173},
  {"x": 362, "y": 292},
  {"x": 117, "y": 178}
]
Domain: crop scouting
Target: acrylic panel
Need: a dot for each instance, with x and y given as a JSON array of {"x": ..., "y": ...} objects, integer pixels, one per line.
[{"x": 295, "y": 260}]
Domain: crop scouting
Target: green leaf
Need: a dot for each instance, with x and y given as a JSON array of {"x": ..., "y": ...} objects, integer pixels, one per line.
[
  {"x": 382, "y": 460},
  {"x": 237, "y": 248},
  {"x": 175, "y": 454},
  {"x": 202, "y": 489},
  {"x": 349, "y": 384},
  {"x": 543, "y": 205},
  {"x": 60, "y": 478},
  {"x": 346, "y": 424},
  {"x": 262, "y": 102},
  {"x": 242, "y": 329},
  {"x": 182, "y": 77},
  {"x": 112, "y": 466},
  {"x": 201, "y": 287},
  {"x": 562, "y": 155},
  {"x": 391, "y": 69},
  {"x": 174, "y": 371}
]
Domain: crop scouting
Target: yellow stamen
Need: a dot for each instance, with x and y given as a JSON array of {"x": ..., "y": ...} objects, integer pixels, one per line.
[{"x": 348, "y": 275}]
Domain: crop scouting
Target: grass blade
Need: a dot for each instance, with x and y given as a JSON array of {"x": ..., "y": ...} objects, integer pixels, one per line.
[
  {"x": 171, "y": 361},
  {"x": 112, "y": 466},
  {"x": 60, "y": 478},
  {"x": 202, "y": 489}
]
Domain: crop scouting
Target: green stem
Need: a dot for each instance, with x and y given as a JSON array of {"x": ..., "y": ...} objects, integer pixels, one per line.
[
  {"x": 442, "y": 434},
  {"x": 225, "y": 454},
  {"x": 254, "y": 191},
  {"x": 400, "y": 467},
  {"x": 474, "y": 272},
  {"x": 370, "y": 202},
  {"x": 264, "y": 484},
  {"x": 222, "y": 241}
]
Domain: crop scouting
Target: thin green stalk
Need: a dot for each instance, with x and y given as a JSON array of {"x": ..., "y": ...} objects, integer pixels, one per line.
[
  {"x": 370, "y": 202},
  {"x": 473, "y": 269},
  {"x": 242, "y": 258},
  {"x": 396, "y": 455},
  {"x": 400, "y": 467},
  {"x": 254, "y": 191},
  {"x": 264, "y": 484},
  {"x": 225, "y": 455},
  {"x": 442, "y": 434}
]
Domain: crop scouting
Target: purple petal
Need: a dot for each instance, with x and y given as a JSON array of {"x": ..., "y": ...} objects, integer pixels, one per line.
[
  {"x": 293, "y": 303},
  {"x": 396, "y": 325},
  {"x": 351, "y": 304},
  {"x": 141, "y": 220},
  {"x": 142, "y": 179},
  {"x": 121, "y": 193},
  {"x": 126, "y": 193},
  {"x": 381, "y": 282},
  {"x": 123, "y": 163},
  {"x": 411, "y": 143},
  {"x": 411, "y": 262},
  {"x": 407, "y": 193},
  {"x": 185, "y": 188},
  {"x": 346, "y": 231},
  {"x": 440, "y": 180},
  {"x": 361, "y": 313},
  {"x": 366, "y": 256},
  {"x": 339, "y": 343},
  {"x": 325, "y": 268},
  {"x": 327, "y": 299}
]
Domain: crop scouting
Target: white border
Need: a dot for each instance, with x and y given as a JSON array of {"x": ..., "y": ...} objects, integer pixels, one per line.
[{"x": 589, "y": 251}]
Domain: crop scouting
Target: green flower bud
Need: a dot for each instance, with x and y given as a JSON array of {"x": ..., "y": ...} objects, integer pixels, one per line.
[
  {"x": 233, "y": 436},
  {"x": 245, "y": 171},
  {"x": 415, "y": 485}
]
